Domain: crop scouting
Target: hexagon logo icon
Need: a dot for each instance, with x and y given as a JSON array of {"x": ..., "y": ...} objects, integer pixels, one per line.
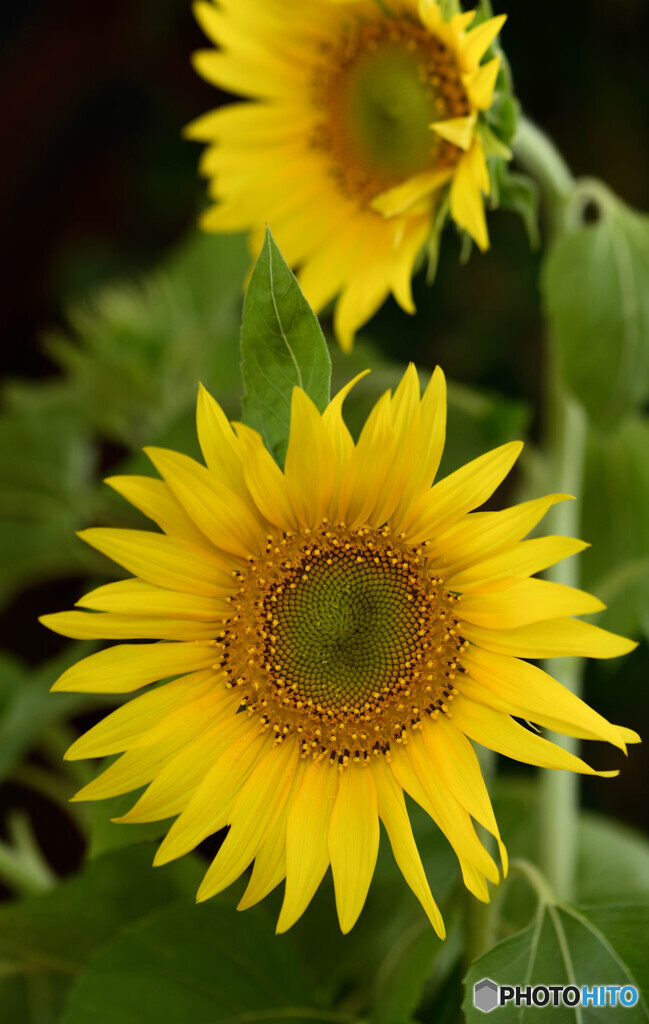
[{"x": 485, "y": 995}]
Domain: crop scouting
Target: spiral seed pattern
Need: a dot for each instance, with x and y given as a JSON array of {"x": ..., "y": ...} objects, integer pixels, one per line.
[{"x": 343, "y": 637}]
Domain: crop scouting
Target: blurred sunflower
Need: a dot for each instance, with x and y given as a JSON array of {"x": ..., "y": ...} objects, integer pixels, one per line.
[
  {"x": 338, "y": 632},
  {"x": 361, "y": 119}
]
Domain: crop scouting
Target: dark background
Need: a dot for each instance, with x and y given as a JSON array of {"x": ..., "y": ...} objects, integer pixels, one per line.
[{"x": 96, "y": 184}]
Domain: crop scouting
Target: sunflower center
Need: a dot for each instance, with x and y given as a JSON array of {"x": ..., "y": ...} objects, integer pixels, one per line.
[
  {"x": 379, "y": 89},
  {"x": 346, "y": 624},
  {"x": 343, "y": 638}
]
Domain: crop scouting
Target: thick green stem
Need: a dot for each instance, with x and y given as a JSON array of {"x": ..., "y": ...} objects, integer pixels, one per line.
[
  {"x": 540, "y": 158},
  {"x": 559, "y": 803},
  {"x": 559, "y": 796}
]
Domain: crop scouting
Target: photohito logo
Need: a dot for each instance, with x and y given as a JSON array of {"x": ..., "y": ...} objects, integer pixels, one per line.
[{"x": 488, "y": 996}]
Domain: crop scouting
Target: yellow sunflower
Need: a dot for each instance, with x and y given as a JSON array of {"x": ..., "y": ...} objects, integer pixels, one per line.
[
  {"x": 336, "y": 634},
  {"x": 360, "y": 119}
]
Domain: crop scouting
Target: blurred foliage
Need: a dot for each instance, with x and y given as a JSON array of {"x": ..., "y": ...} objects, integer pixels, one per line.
[{"x": 597, "y": 300}]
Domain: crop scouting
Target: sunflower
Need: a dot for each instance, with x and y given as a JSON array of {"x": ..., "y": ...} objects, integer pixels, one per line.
[
  {"x": 361, "y": 119},
  {"x": 336, "y": 634}
]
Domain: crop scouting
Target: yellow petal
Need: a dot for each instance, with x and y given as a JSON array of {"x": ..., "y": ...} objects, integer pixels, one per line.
[
  {"x": 463, "y": 491},
  {"x": 467, "y": 205},
  {"x": 210, "y": 807},
  {"x": 459, "y": 768},
  {"x": 307, "y": 849},
  {"x": 524, "y": 559},
  {"x": 458, "y": 130},
  {"x": 265, "y": 480},
  {"x": 554, "y": 638},
  {"x": 401, "y": 198},
  {"x": 394, "y": 815},
  {"x": 269, "y": 868},
  {"x": 124, "y": 727},
  {"x": 526, "y": 602},
  {"x": 243, "y": 78},
  {"x": 480, "y": 39},
  {"x": 353, "y": 842},
  {"x": 310, "y": 464},
  {"x": 407, "y": 777},
  {"x": 225, "y": 519},
  {"x": 501, "y": 733},
  {"x": 406, "y": 419},
  {"x": 452, "y": 819},
  {"x": 366, "y": 287},
  {"x": 363, "y": 477},
  {"x": 141, "y": 763},
  {"x": 480, "y": 84},
  {"x": 106, "y": 626},
  {"x": 127, "y": 667},
  {"x": 525, "y": 691},
  {"x": 164, "y": 561},
  {"x": 175, "y": 784},
  {"x": 155, "y": 500},
  {"x": 256, "y": 809},
  {"x": 134, "y": 597},
  {"x": 218, "y": 442},
  {"x": 480, "y": 535},
  {"x": 427, "y": 456},
  {"x": 333, "y": 421}
]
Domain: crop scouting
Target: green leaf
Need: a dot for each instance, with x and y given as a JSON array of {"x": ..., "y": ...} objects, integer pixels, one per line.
[
  {"x": 613, "y": 862},
  {"x": 282, "y": 347},
  {"x": 416, "y": 962},
  {"x": 596, "y": 287},
  {"x": 568, "y": 946},
  {"x": 46, "y": 940},
  {"x": 615, "y": 522},
  {"x": 206, "y": 963},
  {"x": 27, "y": 707}
]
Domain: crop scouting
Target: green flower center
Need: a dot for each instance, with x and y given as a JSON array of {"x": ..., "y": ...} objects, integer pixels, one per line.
[
  {"x": 379, "y": 88},
  {"x": 347, "y": 628},
  {"x": 343, "y": 638},
  {"x": 386, "y": 109}
]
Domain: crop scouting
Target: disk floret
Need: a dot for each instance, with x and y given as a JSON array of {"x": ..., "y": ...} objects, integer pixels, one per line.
[
  {"x": 378, "y": 87},
  {"x": 344, "y": 637}
]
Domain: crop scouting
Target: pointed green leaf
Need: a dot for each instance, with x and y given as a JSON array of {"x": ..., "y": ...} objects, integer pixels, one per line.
[
  {"x": 282, "y": 346},
  {"x": 567, "y": 946}
]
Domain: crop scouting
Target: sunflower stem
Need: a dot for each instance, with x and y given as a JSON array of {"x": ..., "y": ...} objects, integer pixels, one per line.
[
  {"x": 539, "y": 157},
  {"x": 566, "y": 449},
  {"x": 559, "y": 793}
]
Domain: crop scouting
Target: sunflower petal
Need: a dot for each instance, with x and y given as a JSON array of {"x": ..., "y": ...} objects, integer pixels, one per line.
[
  {"x": 256, "y": 809},
  {"x": 499, "y": 732},
  {"x": 525, "y": 691},
  {"x": 307, "y": 849},
  {"x": 128, "y": 667},
  {"x": 353, "y": 842},
  {"x": 393, "y": 814}
]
